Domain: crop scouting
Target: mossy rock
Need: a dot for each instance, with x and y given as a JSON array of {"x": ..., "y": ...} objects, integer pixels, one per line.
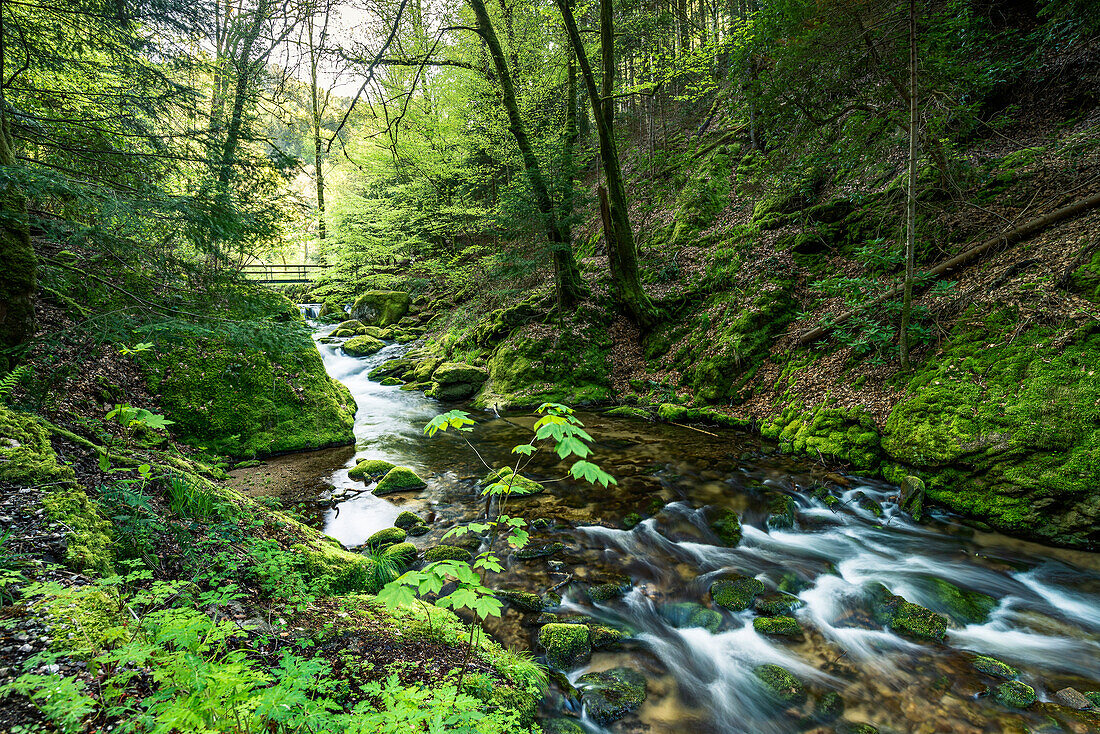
[
  {"x": 906, "y": 618},
  {"x": 780, "y": 684},
  {"x": 962, "y": 605},
  {"x": 352, "y": 325},
  {"x": 447, "y": 553},
  {"x": 407, "y": 520},
  {"x": 521, "y": 486},
  {"x": 609, "y": 589},
  {"x": 520, "y": 599},
  {"x": 736, "y": 594},
  {"x": 399, "y": 479},
  {"x": 856, "y": 728},
  {"x": 776, "y": 605},
  {"x": 781, "y": 512},
  {"x": 994, "y": 667},
  {"x": 725, "y": 524},
  {"x": 386, "y": 537},
  {"x": 610, "y": 695},
  {"x": 402, "y": 554},
  {"x": 362, "y": 346},
  {"x": 689, "y": 614},
  {"x": 566, "y": 645},
  {"x": 451, "y": 373},
  {"x": 829, "y": 706},
  {"x": 417, "y": 530},
  {"x": 381, "y": 308},
  {"x": 632, "y": 521},
  {"x": 539, "y": 550},
  {"x": 451, "y": 393},
  {"x": 629, "y": 411},
  {"x": 605, "y": 638},
  {"x": 391, "y": 382},
  {"x": 911, "y": 496},
  {"x": 26, "y": 455},
  {"x": 561, "y": 725},
  {"x": 777, "y": 626},
  {"x": 391, "y": 368},
  {"x": 1015, "y": 694},
  {"x": 868, "y": 504},
  {"x": 342, "y": 334},
  {"x": 370, "y": 468}
]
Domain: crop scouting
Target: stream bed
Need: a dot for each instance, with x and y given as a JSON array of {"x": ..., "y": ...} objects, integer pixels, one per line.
[{"x": 1035, "y": 608}]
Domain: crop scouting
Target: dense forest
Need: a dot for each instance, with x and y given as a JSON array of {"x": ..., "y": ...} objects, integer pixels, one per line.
[{"x": 566, "y": 367}]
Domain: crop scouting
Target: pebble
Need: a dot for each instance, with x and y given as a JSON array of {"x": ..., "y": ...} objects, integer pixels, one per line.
[{"x": 1073, "y": 698}]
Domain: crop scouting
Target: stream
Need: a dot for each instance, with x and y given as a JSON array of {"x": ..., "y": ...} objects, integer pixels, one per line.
[{"x": 1045, "y": 620}]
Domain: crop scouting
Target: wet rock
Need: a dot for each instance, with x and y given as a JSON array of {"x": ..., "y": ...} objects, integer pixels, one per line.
[
  {"x": 402, "y": 555},
  {"x": 391, "y": 368},
  {"x": 447, "y": 553},
  {"x": 519, "y": 485},
  {"x": 689, "y": 614},
  {"x": 792, "y": 583},
  {"x": 911, "y": 496},
  {"x": 631, "y": 521},
  {"x": 386, "y": 537},
  {"x": 381, "y": 308},
  {"x": 856, "y": 728},
  {"x": 562, "y": 725},
  {"x": 736, "y": 594},
  {"x": 456, "y": 381},
  {"x": 1093, "y": 696},
  {"x": 1073, "y": 698},
  {"x": 519, "y": 599},
  {"x": 609, "y": 590},
  {"x": 362, "y": 346},
  {"x": 370, "y": 468},
  {"x": 406, "y": 520},
  {"x": 777, "y": 626},
  {"x": 780, "y": 684},
  {"x": 725, "y": 524},
  {"x": 829, "y": 706},
  {"x": 994, "y": 667},
  {"x": 342, "y": 334},
  {"x": 538, "y": 550},
  {"x": 391, "y": 382},
  {"x": 963, "y": 606},
  {"x": 868, "y": 504},
  {"x": 612, "y": 694},
  {"x": 906, "y": 618},
  {"x": 776, "y": 605},
  {"x": 604, "y": 638},
  {"x": 399, "y": 479},
  {"x": 417, "y": 530},
  {"x": 1015, "y": 694},
  {"x": 566, "y": 645},
  {"x": 629, "y": 411},
  {"x": 781, "y": 512}
]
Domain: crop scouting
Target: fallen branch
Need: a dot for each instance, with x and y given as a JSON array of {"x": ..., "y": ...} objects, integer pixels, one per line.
[{"x": 1005, "y": 239}]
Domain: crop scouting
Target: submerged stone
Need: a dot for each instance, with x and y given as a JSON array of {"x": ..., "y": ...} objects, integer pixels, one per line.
[
  {"x": 566, "y": 645},
  {"x": 906, "y": 618},
  {"x": 612, "y": 694},
  {"x": 631, "y": 521},
  {"x": 447, "y": 553},
  {"x": 519, "y": 485},
  {"x": 736, "y": 594},
  {"x": 867, "y": 503},
  {"x": 994, "y": 667},
  {"x": 399, "y": 479},
  {"x": 725, "y": 524},
  {"x": 963, "y": 605},
  {"x": 1015, "y": 694},
  {"x": 609, "y": 590},
  {"x": 776, "y": 605},
  {"x": 689, "y": 614},
  {"x": 369, "y": 468},
  {"x": 542, "y": 550},
  {"x": 777, "y": 626},
  {"x": 829, "y": 706},
  {"x": 780, "y": 684},
  {"x": 362, "y": 346},
  {"x": 781, "y": 512}
]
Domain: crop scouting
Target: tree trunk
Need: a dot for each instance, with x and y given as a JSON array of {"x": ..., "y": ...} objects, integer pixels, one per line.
[
  {"x": 566, "y": 273},
  {"x": 911, "y": 192},
  {"x": 620, "y": 238}
]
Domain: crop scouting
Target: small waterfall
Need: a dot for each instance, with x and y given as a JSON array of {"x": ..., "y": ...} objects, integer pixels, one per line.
[{"x": 310, "y": 311}]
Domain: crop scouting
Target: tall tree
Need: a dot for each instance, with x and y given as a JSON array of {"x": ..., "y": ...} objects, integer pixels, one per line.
[{"x": 911, "y": 189}]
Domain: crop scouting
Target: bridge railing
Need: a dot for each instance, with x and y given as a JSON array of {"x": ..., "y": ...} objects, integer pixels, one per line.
[{"x": 294, "y": 273}]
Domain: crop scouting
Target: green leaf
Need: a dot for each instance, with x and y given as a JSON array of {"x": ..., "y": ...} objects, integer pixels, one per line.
[
  {"x": 591, "y": 473},
  {"x": 572, "y": 445},
  {"x": 524, "y": 448}
]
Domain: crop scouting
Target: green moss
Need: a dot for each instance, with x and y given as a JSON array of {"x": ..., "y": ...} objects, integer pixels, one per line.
[
  {"x": 829, "y": 706},
  {"x": 1093, "y": 696},
  {"x": 605, "y": 638},
  {"x": 250, "y": 401},
  {"x": 994, "y": 667},
  {"x": 381, "y": 308},
  {"x": 906, "y": 618},
  {"x": 849, "y": 435},
  {"x": 402, "y": 554},
  {"x": 609, "y": 590},
  {"x": 391, "y": 382},
  {"x": 89, "y": 545},
  {"x": 566, "y": 645},
  {"x": 399, "y": 479},
  {"x": 562, "y": 726},
  {"x": 776, "y": 605},
  {"x": 777, "y": 626},
  {"x": 610, "y": 695},
  {"x": 781, "y": 512},
  {"x": 362, "y": 346},
  {"x": 82, "y": 618},
  {"x": 538, "y": 550},
  {"x": 520, "y": 485},
  {"x": 450, "y": 373},
  {"x": 391, "y": 367},
  {"x": 689, "y": 614},
  {"x": 1015, "y": 694},
  {"x": 26, "y": 456},
  {"x": 727, "y": 526},
  {"x": 963, "y": 606},
  {"x": 780, "y": 684},
  {"x": 407, "y": 520},
  {"x": 519, "y": 599},
  {"x": 385, "y": 537},
  {"x": 370, "y": 468},
  {"x": 447, "y": 553},
  {"x": 629, "y": 411},
  {"x": 736, "y": 594}
]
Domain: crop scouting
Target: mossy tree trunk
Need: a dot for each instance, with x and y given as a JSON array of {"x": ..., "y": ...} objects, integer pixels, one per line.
[
  {"x": 911, "y": 190},
  {"x": 622, "y": 254},
  {"x": 566, "y": 273},
  {"x": 18, "y": 265}
]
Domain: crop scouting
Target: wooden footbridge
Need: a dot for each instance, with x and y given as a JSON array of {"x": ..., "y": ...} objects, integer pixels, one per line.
[{"x": 279, "y": 274}]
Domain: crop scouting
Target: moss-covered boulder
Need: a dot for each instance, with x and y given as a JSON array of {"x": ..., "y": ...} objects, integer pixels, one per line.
[
  {"x": 610, "y": 695},
  {"x": 994, "y": 667},
  {"x": 780, "y": 684},
  {"x": 562, "y": 725},
  {"x": 381, "y": 308},
  {"x": 369, "y": 468},
  {"x": 362, "y": 346},
  {"x": 689, "y": 614},
  {"x": 776, "y": 605},
  {"x": 629, "y": 411},
  {"x": 520, "y": 599},
  {"x": 911, "y": 492},
  {"x": 519, "y": 485},
  {"x": 566, "y": 645},
  {"x": 391, "y": 368},
  {"x": 391, "y": 382},
  {"x": 407, "y": 520},
  {"x": 447, "y": 553},
  {"x": 829, "y": 706},
  {"x": 778, "y": 626},
  {"x": 781, "y": 512},
  {"x": 386, "y": 537},
  {"x": 401, "y": 555},
  {"x": 605, "y": 638},
  {"x": 399, "y": 479},
  {"x": 26, "y": 455},
  {"x": 725, "y": 524},
  {"x": 352, "y": 325},
  {"x": 1015, "y": 694},
  {"x": 456, "y": 381},
  {"x": 539, "y": 550},
  {"x": 906, "y": 618},
  {"x": 608, "y": 590},
  {"x": 846, "y": 434},
  {"x": 963, "y": 605},
  {"x": 736, "y": 594}
]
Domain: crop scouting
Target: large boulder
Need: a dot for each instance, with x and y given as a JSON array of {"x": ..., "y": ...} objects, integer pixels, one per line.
[
  {"x": 611, "y": 694},
  {"x": 456, "y": 381},
  {"x": 737, "y": 593},
  {"x": 362, "y": 346},
  {"x": 399, "y": 479},
  {"x": 906, "y": 618},
  {"x": 566, "y": 645},
  {"x": 381, "y": 308}
]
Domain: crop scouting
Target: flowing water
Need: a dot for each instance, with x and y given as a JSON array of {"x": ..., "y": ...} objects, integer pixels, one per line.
[{"x": 1046, "y": 621}]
